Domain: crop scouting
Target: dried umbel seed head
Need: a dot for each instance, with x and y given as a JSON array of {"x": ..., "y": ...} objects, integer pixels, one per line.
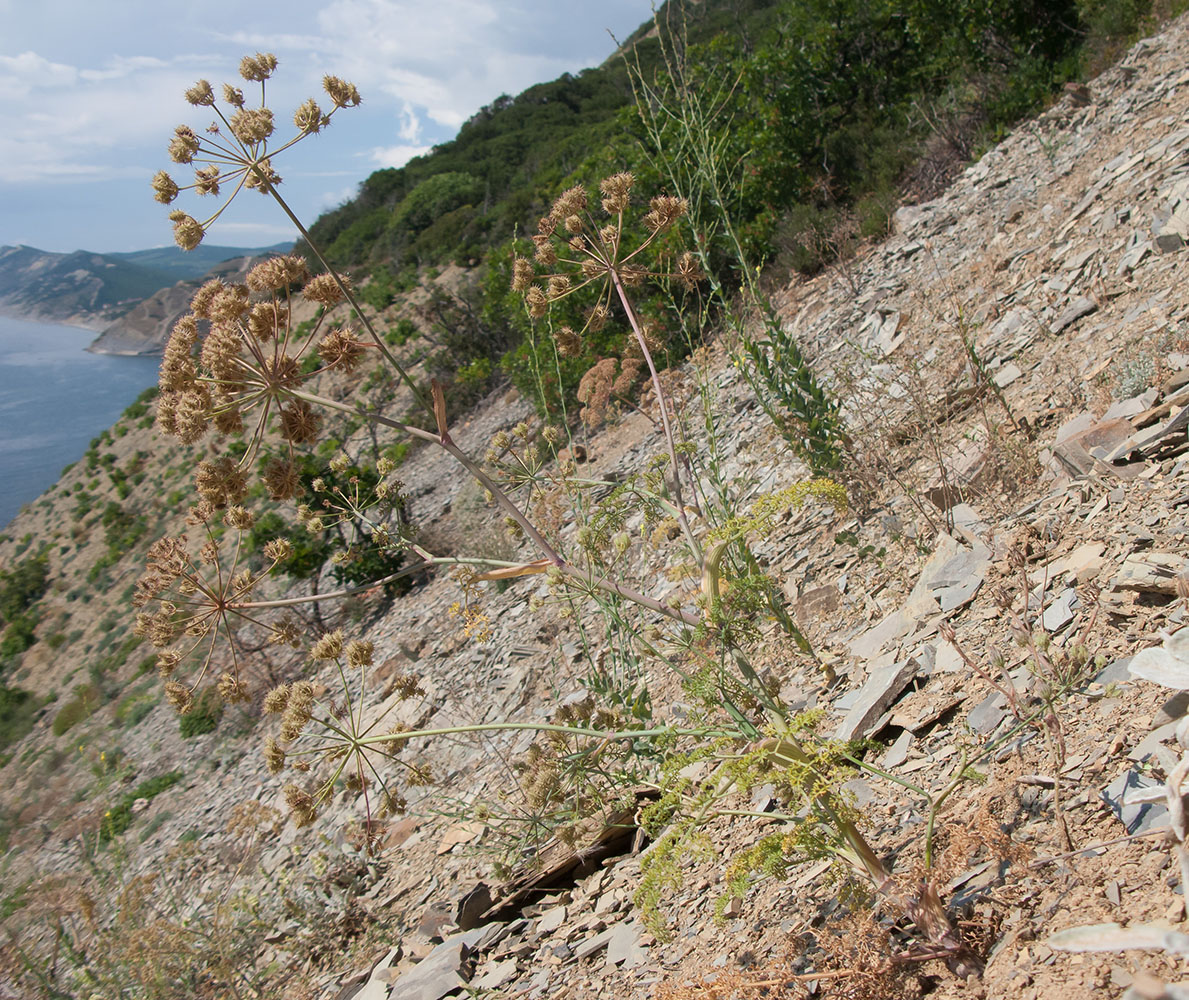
[
  {"x": 309, "y": 118},
  {"x": 360, "y": 653},
  {"x": 179, "y": 696},
  {"x": 261, "y": 177},
  {"x": 546, "y": 254},
  {"x": 689, "y": 271},
  {"x": 559, "y": 286},
  {"x": 233, "y": 96},
  {"x": 281, "y": 480},
  {"x": 597, "y": 318},
  {"x": 201, "y": 95},
  {"x": 324, "y": 290},
  {"x": 340, "y": 349},
  {"x": 616, "y": 192},
  {"x": 301, "y": 805},
  {"x": 277, "y": 274},
  {"x": 522, "y": 274},
  {"x": 184, "y": 145},
  {"x": 206, "y": 180},
  {"x": 344, "y": 94},
  {"x": 274, "y": 756},
  {"x": 164, "y": 189},
  {"x": 277, "y": 700},
  {"x": 200, "y": 305},
  {"x": 278, "y": 550},
  {"x": 257, "y": 68},
  {"x": 570, "y": 203},
  {"x": 239, "y": 518},
  {"x": 665, "y": 210},
  {"x": 300, "y": 422},
  {"x": 232, "y": 690},
  {"x": 187, "y": 231},
  {"x": 230, "y": 304},
  {"x": 222, "y": 483},
  {"x": 569, "y": 344},
  {"x": 536, "y": 302},
  {"x": 329, "y": 647}
]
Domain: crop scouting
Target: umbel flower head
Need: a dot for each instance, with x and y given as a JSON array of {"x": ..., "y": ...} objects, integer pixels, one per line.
[
  {"x": 574, "y": 250},
  {"x": 251, "y": 362},
  {"x": 234, "y": 152}
]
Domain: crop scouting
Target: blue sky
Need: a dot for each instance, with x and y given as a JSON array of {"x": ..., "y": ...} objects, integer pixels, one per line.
[{"x": 90, "y": 93}]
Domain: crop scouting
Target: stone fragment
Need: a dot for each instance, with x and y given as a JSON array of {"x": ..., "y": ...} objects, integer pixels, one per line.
[
  {"x": 594, "y": 944},
  {"x": 898, "y": 752},
  {"x": 818, "y": 603},
  {"x": 624, "y": 948},
  {"x": 377, "y": 985},
  {"x": 551, "y": 920},
  {"x": 493, "y": 975},
  {"x": 987, "y": 714},
  {"x": 1060, "y": 611},
  {"x": 1135, "y": 817},
  {"x": 442, "y": 971},
  {"x": 1150, "y": 572},
  {"x": 1006, "y": 375},
  {"x": 881, "y": 689},
  {"x": 1079, "y": 307}
]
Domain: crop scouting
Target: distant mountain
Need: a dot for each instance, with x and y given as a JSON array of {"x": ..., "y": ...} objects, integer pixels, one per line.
[
  {"x": 145, "y": 327},
  {"x": 92, "y": 289}
]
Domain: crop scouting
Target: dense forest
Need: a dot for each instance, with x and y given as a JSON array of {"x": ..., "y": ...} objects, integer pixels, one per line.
[{"x": 824, "y": 116}]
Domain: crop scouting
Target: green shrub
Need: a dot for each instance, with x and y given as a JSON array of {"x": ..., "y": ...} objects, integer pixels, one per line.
[
  {"x": 17, "y": 710},
  {"x": 85, "y": 701},
  {"x": 203, "y": 717},
  {"x": 23, "y": 586},
  {"x": 119, "y": 817}
]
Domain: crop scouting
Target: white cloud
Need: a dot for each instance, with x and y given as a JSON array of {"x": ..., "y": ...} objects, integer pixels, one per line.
[
  {"x": 450, "y": 64},
  {"x": 396, "y": 156},
  {"x": 332, "y": 199}
]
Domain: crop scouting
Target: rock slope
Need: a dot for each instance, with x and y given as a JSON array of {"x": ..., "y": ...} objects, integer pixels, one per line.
[{"x": 1012, "y": 363}]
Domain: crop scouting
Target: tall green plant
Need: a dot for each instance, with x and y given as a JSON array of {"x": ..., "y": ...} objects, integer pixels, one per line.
[{"x": 247, "y": 376}]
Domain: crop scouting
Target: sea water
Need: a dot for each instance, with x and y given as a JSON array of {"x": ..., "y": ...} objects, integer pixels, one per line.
[{"x": 54, "y": 399}]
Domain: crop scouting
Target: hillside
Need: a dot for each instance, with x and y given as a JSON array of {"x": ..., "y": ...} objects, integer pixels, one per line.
[{"x": 1002, "y": 379}]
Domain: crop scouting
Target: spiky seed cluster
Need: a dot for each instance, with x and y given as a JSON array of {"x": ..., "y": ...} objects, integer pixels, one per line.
[
  {"x": 246, "y": 364},
  {"x": 236, "y": 154},
  {"x": 301, "y": 805},
  {"x": 328, "y": 647},
  {"x": 576, "y": 252},
  {"x": 299, "y": 710}
]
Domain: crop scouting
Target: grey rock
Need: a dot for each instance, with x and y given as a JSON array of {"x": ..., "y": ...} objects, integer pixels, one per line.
[
  {"x": 881, "y": 689},
  {"x": 1079, "y": 307},
  {"x": 1172, "y": 710},
  {"x": 1150, "y": 572},
  {"x": 1114, "y": 673},
  {"x": 987, "y": 714},
  {"x": 442, "y": 971},
  {"x": 624, "y": 948},
  {"x": 1136, "y": 817},
  {"x": 594, "y": 944},
  {"x": 1060, "y": 612}
]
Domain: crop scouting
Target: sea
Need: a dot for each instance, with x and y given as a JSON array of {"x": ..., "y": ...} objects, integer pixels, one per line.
[{"x": 54, "y": 399}]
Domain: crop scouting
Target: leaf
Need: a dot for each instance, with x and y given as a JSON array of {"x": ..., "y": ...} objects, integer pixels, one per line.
[
  {"x": 511, "y": 572},
  {"x": 1167, "y": 664},
  {"x": 1112, "y": 937},
  {"x": 439, "y": 409}
]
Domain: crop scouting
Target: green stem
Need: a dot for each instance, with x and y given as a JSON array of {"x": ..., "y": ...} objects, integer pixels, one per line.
[{"x": 540, "y": 727}]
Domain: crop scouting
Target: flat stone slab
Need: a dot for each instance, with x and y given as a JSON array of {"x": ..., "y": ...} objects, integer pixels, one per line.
[
  {"x": 442, "y": 971},
  {"x": 881, "y": 689},
  {"x": 1151, "y": 572}
]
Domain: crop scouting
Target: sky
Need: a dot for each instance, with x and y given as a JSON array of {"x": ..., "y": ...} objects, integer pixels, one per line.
[{"x": 90, "y": 94}]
